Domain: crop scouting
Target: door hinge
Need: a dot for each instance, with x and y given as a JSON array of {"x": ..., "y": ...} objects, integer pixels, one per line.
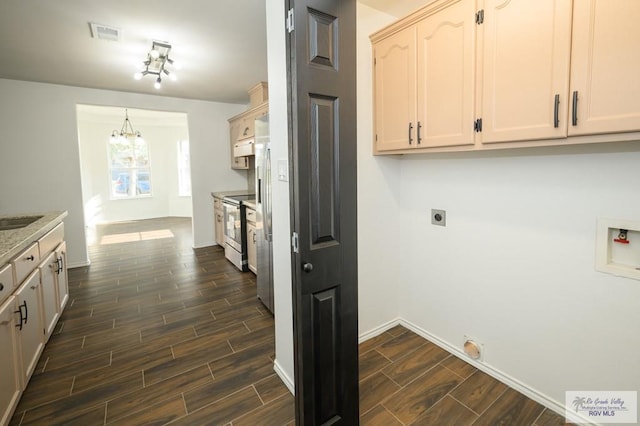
[
  {"x": 477, "y": 125},
  {"x": 480, "y": 17},
  {"x": 375, "y": 61},
  {"x": 290, "y": 20},
  {"x": 376, "y": 137},
  {"x": 294, "y": 242}
]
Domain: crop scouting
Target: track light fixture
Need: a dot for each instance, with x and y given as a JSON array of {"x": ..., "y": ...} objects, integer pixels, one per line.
[{"x": 156, "y": 63}]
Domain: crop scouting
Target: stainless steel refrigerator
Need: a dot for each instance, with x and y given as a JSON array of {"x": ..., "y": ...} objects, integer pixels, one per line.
[{"x": 264, "y": 232}]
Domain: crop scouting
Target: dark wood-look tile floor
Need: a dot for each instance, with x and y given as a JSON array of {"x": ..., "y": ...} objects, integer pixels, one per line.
[
  {"x": 407, "y": 380},
  {"x": 159, "y": 333},
  {"x": 156, "y": 332}
]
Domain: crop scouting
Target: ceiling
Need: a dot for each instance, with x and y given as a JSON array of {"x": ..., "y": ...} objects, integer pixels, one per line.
[{"x": 220, "y": 44}]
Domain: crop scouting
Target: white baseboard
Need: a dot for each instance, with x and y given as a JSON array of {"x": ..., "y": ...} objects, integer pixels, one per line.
[
  {"x": 535, "y": 395},
  {"x": 205, "y": 244},
  {"x": 284, "y": 377},
  {"x": 379, "y": 330},
  {"x": 78, "y": 264}
]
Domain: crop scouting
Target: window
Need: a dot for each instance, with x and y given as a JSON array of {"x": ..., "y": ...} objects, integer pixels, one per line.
[
  {"x": 129, "y": 168},
  {"x": 184, "y": 169}
]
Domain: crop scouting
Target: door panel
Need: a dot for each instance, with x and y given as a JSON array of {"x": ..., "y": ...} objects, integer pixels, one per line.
[
  {"x": 526, "y": 64},
  {"x": 605, "y": 66},
  {"x": 446, "y": 76},
  {"x": 322, "y": 100},
  {"x": 395, "y": 91}
]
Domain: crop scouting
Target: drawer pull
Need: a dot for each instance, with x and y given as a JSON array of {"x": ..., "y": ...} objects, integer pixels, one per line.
[
  {"x": 1, "y": 286},
  {"x": 556, "y": 108},
  {"x": 31, "y": 258},
  {"x": 23, "y": 319}
]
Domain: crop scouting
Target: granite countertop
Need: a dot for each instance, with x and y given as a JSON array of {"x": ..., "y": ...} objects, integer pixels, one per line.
[
  {"x": 250, "y": 203},
  {"x": 13, "y": 241},
  {"x": 223, "y": 194}
]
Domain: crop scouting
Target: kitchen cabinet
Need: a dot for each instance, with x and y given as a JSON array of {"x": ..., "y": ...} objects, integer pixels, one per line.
[
  {"x": 395, "y": 91},
  {"x": 241, "y": 126},
  {"x": 49, "y": 298},
  {"x": 252, "y": 247},
  {"x": 425, "y": 81},
  {"x": 62, "y": 278},
  {"x": 525, "y": 73},
  {"x": 218, "y": 217},
  {"x": 6, "y": 282},
  {"x": 509, "y": 74},
  {"x": 11, "y": 387},
  {"x": 605, "y": 66},
  {"x": 30, "y": 326},
  {"x": 33, "y": 293}
]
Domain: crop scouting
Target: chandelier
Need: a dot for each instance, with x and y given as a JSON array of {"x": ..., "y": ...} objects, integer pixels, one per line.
[
  {"x": 156, "y": 63},
  {"x": 126, "y": 131}
]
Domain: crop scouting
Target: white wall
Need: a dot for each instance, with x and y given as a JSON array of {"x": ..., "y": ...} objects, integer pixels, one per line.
[
  {"x": 161, "y": 132},
  {"x": 378, "y": 199},
  {"x": 278, "y": 128},
  {"x": 514, "y": 267},
  {"x": 40, "y": 162}
]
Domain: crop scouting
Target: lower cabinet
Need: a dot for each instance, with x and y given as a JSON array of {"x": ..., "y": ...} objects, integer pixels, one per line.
[
  {"x": 11, "y": 385},
  {"x": 252, "y": 240},
  {"x": 252, "y": 253},
  {"x": 50, "y": 306},
  {"x": 218, "y": 214},
  {"x": 29, "y": 326},
  {"x": 62, "y": 279}
]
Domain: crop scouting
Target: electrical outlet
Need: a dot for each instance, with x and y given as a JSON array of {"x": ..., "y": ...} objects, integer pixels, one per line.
[{"x": 438, "y": 217}]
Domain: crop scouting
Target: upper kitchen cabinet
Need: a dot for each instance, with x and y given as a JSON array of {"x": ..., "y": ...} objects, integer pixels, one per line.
[
  {"x": 395, "y": 91},
  {"x": 424, "y": 81},
  {"x": 525, "y": 69},
  {"x": 241, "y": 126},
  {"x": 605, "y": 67},
  {"x": 446, "y": 76}
]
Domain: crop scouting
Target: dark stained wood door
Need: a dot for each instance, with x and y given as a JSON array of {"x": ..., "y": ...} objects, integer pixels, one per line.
[{"x": 322, "y": 120}]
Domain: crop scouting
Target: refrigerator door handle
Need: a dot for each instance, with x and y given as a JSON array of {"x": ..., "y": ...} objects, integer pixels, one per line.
[{"x": 266, "y": 204}]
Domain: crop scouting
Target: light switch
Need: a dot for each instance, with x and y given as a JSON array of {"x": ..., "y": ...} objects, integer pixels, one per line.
[{"x": 283, "y": 171}]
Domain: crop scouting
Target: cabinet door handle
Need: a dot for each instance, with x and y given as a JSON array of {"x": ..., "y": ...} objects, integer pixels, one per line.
[
  {"x": 574, "y": 109},
  {"x": 1, "y": 286},
  {"x": 26, "y": 314},
  {"x": 419, "y": 137},
  {"x": 23, "y": 319},
  {"x": 254, "y": 237},
  {"x": 556, "y": 107},
  {"x": 410, "y": 133},
  {"x": 60, "y": 265},
  {"x": 31, "y": 258}
]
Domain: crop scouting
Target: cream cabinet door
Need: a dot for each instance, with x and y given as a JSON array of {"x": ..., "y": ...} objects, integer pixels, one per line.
[
  {"x": 446, "y": 76},
  {"x": 605, "y": 66},
  {"x": 395, "y": 91},
  {"x": 9, "y": 366},
  {"x": 525, "y": 70},
  {"x": 62, "y": 278},
  {"x": 50, "y": 306},
  {"x": 30, "y": 327},
  {"x": 252, "y": 253}
]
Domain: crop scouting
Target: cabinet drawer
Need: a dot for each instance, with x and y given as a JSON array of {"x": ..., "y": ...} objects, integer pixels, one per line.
[
  {"x": 251, "y": 216},
  {"x": 25, "y": 263},
  {"x": 51, "y": 240},
  {"x": 244, "y": 148},
  {"x": 6, "y": 282}
]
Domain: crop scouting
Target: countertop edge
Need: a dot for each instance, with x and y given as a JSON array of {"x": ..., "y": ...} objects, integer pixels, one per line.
[
  {"x": 13, "y": 242},
  {"x": 222, "y": 194}
]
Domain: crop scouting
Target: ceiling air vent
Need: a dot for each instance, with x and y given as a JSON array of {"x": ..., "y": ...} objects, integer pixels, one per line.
[{"x": 104, "y": 32}]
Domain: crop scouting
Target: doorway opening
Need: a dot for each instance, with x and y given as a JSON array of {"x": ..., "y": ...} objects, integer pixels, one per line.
[{"x": 145, "y": 176}]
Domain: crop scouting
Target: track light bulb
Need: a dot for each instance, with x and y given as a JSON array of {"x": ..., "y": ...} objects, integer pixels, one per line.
[
  {"x": 154, "y": 54},
  {"x": 158, "y": 83},
  {"x": 137, "y": 75}
]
